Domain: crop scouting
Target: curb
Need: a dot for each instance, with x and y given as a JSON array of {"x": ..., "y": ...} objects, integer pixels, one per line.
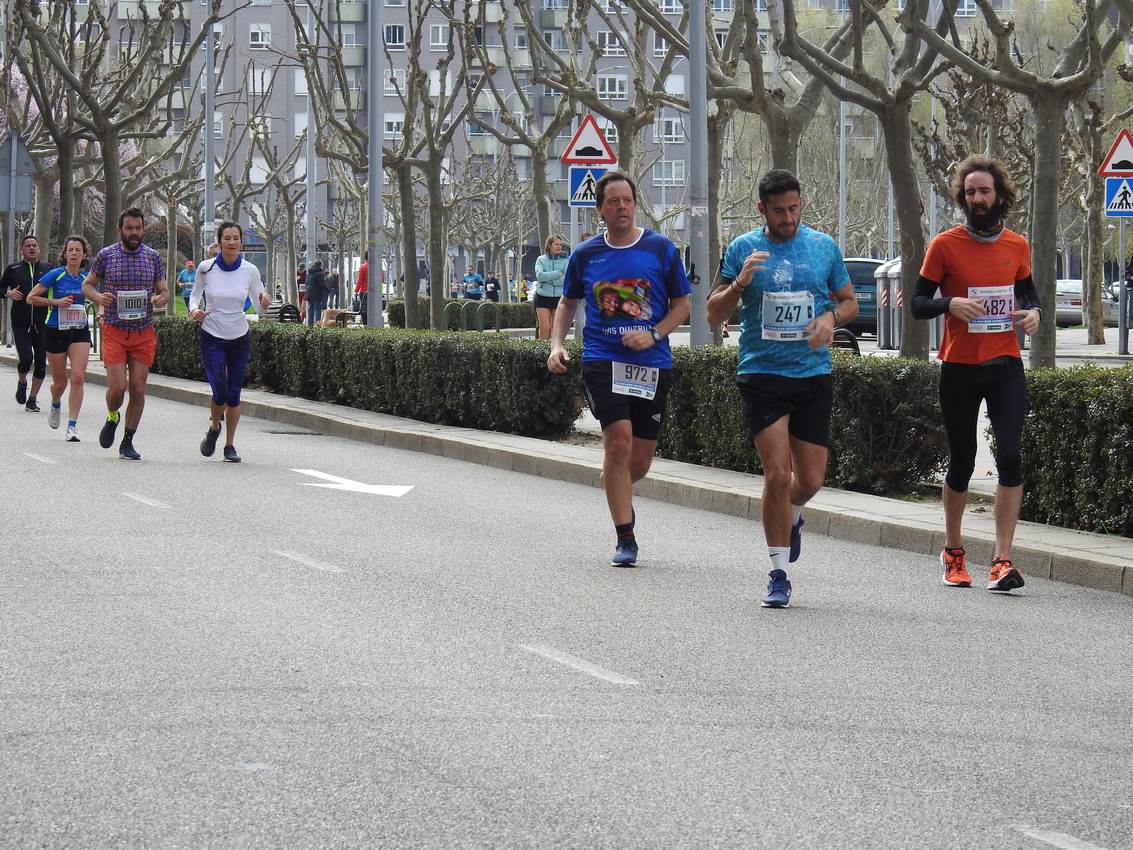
[{"x": 1074, "y": 557}]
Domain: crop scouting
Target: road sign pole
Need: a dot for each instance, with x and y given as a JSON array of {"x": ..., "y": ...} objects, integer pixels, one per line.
[
  {"x": 1123, "y": 297},
  {"x": 12, "y": 197}
]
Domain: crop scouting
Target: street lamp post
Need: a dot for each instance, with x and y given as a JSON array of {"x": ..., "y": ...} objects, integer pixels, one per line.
[
  {"x": 375, "y": 121},
  {"x": 700, "y": 334}
]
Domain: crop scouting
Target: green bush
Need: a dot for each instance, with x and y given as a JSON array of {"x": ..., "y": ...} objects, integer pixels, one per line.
[
  {"x": 1078, "y": 449},
  {"x": 484, "y": 381},
  {"x": 886, "y": 433},
  {"x": 512, "y": 315}
]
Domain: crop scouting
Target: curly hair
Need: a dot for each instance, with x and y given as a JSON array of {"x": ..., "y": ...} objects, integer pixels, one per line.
[{"x": 1005, "y": 191}]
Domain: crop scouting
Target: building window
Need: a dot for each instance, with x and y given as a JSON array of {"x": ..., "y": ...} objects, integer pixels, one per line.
[
  {"x": 394, "y": 124},
  {"x": 475, "y": 128},
  {"x": 393, "y": 82},
  {"x": 259, "y": 36},
  {"x": 668, "y": 130},
  {"x": 300, "y": 123},
  {"x": 347, "y": 35},
  {"x": 300, "y": 83},
  {"x": 669, "y": 172},
  {"x": 608, "y": 44},
  {"x": 610, "y": 131},
  {"x": 610, "y": 7},
  {"x": 669, "y": 7},
  {"x": 725, "y": 5},
  {"x": 438, "y": 36},
  {"x": 395, "y": 37},
  {"x": 763, "y": 37},
  {"x": 519, "y": 39},
  {"x": 613, "y": 87},
  {"x": 675, "y": 84},
  {"x": 721, "y": 37},
  {"x": 259, "y": 80},
  {"x": 395, "y": 3},
  {"x": 660, "y": 44},
  {"x": 555, "y": 4},
  {"x": 555, "y": 40},
  {"x": 966, "y": 9}
]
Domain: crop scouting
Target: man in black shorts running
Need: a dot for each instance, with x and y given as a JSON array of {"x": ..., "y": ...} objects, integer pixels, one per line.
[{"x": 636, "y": 293}]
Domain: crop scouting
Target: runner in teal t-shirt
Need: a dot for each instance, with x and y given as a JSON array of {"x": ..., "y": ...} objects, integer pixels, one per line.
[{"x": 795, "y": 290}]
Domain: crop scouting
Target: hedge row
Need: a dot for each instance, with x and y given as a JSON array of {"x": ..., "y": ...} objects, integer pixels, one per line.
[
  {"x": 1078, "y": 449},
  {"x": 484, "y": 381},
  {"x": 886, "y": 434},
  {"x": 512, "y": 314}
]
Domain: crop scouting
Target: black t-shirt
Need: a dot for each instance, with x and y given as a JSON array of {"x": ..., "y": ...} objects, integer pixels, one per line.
[{"x": 23, "y": 276}]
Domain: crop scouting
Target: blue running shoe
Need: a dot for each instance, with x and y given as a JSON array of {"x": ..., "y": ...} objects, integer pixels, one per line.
[
  {"x": 626, "y": 553},
  {"x": 778, "y": 591},
  {"x": 796, "y": 540}
]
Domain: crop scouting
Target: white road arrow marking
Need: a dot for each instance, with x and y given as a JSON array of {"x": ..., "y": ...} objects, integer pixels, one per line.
[
  {"x": 1056, "y": 839},
  {"x": 40, "y": 458},
  {"x": 153, "y": 503},
  {"x": 307, "y": 562},
  {"x": 579, "y": 664},
  {"x": 337, "y": 483}
]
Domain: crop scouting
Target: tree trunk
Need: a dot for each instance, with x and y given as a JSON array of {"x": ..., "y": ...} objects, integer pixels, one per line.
[
  {"x": 438, "y": 260},
  {"x": 44, "y": 201},
  {"x": 898, "y": 133},
  {"x": 717, "y": 129},
  {"x": 292, "y": 285},
  {"x": 412, "y": 287},
  {"x": 1048, "y": 112},
  {"x": 1094, "y": 279},
  {"x": 112, "y": 185},
  {"x": 171, "y": 256},
  {"x": 541, "y": 191},
  {"x": 783, "y": 136},
  {"x": 65, "y": 164},
  {"x": 626, "y": 155}
]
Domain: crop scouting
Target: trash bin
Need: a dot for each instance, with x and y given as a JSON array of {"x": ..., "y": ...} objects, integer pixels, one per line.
[
  {"x": 896, "y": 305},
  {"x": 884, "y": 315}
]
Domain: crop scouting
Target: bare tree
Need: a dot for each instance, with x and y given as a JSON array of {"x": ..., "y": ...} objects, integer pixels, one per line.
[{"x": 1079, "y": 64}]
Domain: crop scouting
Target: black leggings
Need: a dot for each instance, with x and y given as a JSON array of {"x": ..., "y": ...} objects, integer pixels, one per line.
[
  {"x": 962, "y": 387},
  {"x": 30, "y": 349}
]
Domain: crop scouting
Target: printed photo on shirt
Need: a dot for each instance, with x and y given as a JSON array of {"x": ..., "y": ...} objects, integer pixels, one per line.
[{"x": 623, "y": 299}]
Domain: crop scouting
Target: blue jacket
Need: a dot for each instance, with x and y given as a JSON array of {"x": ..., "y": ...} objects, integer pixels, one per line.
[{"x": 550, "y": 271}]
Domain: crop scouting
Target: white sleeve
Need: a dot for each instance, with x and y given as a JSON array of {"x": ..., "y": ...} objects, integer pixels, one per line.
[
  {"x": 198, "y": 289},
  {"x": 255, "y": 287}
]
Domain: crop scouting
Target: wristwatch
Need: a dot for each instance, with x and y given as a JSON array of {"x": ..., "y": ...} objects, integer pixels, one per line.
[{"x": 656, "y": 336}]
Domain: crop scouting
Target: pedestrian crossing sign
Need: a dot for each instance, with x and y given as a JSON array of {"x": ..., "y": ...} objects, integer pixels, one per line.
[
  {"x": 1119, "y": 197},
  {"x": 583, "y": 179}
]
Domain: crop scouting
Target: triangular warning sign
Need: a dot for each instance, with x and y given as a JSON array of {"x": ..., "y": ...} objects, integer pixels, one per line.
[
  {"x": 588, "y": 146},
  {"x": 1121, "y": 201},
  {"x": 1119, "y": 161}
]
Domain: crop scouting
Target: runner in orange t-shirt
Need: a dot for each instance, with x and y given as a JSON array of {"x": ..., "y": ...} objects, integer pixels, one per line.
[{"x": 983, "y": 273}]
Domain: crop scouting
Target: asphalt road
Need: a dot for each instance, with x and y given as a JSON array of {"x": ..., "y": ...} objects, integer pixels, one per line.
[{"x": 200, "y": 654}]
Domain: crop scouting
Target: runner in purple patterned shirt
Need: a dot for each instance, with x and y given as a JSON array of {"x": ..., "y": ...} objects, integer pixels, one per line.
[{"x": 127, "y": 280}]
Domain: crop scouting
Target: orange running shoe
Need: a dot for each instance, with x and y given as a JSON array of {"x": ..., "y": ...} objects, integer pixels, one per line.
[
  {"x": 955, "y": 569},
  {"x": 1004, "y": 576}
]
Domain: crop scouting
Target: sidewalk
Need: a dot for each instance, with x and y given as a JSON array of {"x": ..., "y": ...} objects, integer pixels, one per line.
[{"x": 1093, "y": 560}]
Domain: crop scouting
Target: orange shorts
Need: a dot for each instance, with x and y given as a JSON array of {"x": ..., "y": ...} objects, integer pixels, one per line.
[{"x": 118, "y": 346}]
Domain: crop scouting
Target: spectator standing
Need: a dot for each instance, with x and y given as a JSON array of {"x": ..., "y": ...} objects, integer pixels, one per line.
[
  {"x": 315, "y": 285},
  {"x": 362, "y": 286},
  {"x": 333, "y": 281},
  {"x": 550, "y": 269}
]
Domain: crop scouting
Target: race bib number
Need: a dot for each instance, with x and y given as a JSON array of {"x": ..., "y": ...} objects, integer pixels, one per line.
[
  {"x": 133, "y": 304},
  {"x": 786, "y": 315},
  {"x": 998, "y": 303},
  {"x": 72, "y": 317},
  {"x": 636, "y": 381}
]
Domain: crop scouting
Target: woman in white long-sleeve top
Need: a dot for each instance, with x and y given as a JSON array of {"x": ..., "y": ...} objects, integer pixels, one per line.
[
  {"x": 550, "y": 269},
  {"x": 226, "y": 283}
]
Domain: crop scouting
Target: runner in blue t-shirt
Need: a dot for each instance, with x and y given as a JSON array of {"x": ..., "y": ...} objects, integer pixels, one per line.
[
  {"x": 795, "y": 290},
  {"x": 636, "y": 294},
  {"x": 67, "y": 332}
]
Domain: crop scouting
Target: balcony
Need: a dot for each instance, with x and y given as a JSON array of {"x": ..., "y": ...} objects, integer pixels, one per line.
[
  {"x": 178, "y": 99},
  {"x": 482, "y": 145},
  {"x": 355, "y": 101},
  {"x": 493, "y": 13},
  {"x": 557, "y": 147},
  {"x": 348, "y": 12},
  {"x": 559, "y": 190},
  {"x": 485, "y": 102},
  {"x": 549, "y": 103},
  {"x": 354, "y": 57},
  {"x": 133, "y": 9},
  {"x": 520, "y": 152},
  {"x": 553, "y": 19}
]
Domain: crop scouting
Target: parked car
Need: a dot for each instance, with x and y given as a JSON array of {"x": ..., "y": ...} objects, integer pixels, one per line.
[
  {"x": 1068, "y": 304},
  {"x": 861, "y": 271}
]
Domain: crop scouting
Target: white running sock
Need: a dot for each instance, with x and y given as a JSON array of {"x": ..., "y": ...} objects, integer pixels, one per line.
[
  {"x": 779, "y": 557},
  {"x": 796, "y": 513}
]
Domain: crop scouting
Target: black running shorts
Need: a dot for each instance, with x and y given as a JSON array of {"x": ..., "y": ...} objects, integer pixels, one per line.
[
  {"x": 807, "y": 401},
  {"x": 646, "y": 415},
  {"x": 547, "y": 302},
  {"x": 57, "y": 341}
]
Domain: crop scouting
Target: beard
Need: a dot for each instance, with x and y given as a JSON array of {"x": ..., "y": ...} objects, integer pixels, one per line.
[
  {"x": 131, "y": 243},
  {"x": 982, "y": 218}
]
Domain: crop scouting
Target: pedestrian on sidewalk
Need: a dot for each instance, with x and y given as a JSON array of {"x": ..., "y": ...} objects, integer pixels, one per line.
[
  {"x": 27, "y": 322},
  {"x": 983, "y": 273},
  {"x": 128, "y": 281},
  {"x": 626, "y": 359},
  {"x": 314, "y": 283},
  {"x": 66, "y": 335},
  {"x": 226, "y": 282},
  {"x": 794, "y": 290},
  {"x": 362, "y": 287},
  {"x": 550, "y": 271}
]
